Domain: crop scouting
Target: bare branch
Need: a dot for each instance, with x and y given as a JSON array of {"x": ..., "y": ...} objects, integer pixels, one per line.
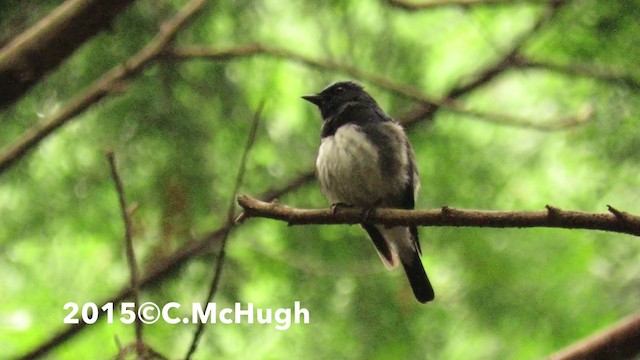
[
  {"x": 446, "y": 216},
  {"x": 491, "y": 72},
  {"x": 620, "y": 341},
  {"x": 206, "y": 52},
  {"x": 230, "y": 224},
  {"x": 131, "y": 255},
  {"x": 40, "y": 49},
  {"x": 581, "y": 70},
  {"x": 109, "y": 82},
  {"x": 147, "y": 353},
  {"x": 509, "y": 59},
  {"x": 102, "y": 87},
  {"x": 408, "y": 92},
  {"x": 583, "y": 116},
  {"x": 415, "y": 6}
]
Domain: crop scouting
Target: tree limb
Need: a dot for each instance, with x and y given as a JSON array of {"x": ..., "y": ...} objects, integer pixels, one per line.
[
  {"x": 100, "y": 88},
  {"x": 620, "y": 341},
  {"x": 131, "y": 255},
  {"x": 415, "y": 6},
  {"x": 581, "y": 70},
  {"x": 508, "y": 60},
  {"x": 40, "y": 49},
  {"x": 110, "y": 81},
  {"x": 446, "y": 216},
  {"x": 411, "y": 93},
  {"x": 215, "y": 282},
  {"x": 163, "y": 270},
  {"x": 491, "y": 72}
]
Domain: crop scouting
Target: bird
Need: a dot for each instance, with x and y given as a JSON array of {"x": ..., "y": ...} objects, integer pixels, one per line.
[{"x": 365, "y": 160}]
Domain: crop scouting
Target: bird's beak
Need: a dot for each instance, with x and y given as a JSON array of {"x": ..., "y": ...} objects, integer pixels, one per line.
[{"x": 314, "y": 99}]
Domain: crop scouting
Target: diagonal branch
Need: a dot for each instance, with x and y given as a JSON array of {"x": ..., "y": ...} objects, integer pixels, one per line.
[
  {"x": 510, "y": 58},
  {"x": 491, "y": 72},
  {"x": 210, "y": 53},
  {"x": 229, "y": 225},
  {"x": 620, "y": 341},
  {"x": 109, "y": 82},
  {"x": 40, "y": 49},
  {"x": 131, "y": 255},
  {"x": 581, "y": 70},
  {"x": 411, "y": 93},
  {"x": 446, "y": 216},
  {"x": 416, "y": 6},
  {"x": 102, "y": 87}
]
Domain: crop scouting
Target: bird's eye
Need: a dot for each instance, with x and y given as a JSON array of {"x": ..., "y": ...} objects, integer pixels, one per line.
[{"x": 339, "y": 89}]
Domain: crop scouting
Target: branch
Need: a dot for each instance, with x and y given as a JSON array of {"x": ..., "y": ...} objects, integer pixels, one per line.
[
  {"x": 230, "y": 223},
  {"x": 446, "y": 216},
  {"x": 582, "y": 70},
  {"x": 110, "y": 82},
  {"x": 102, "y": 87},
  {"x": 584, "y": 115},
  {"x": 411, "y": 6},
  {"x": 131, "y": 255},
  {"x": 408, "y": 92},
  {"x": 509, "y": 59},
  {"x": 40, "y": 49},
  {"x": 491, "y": 72},
  {"x": 621, "y": 341},
  {"x": 209, "y": 53}
]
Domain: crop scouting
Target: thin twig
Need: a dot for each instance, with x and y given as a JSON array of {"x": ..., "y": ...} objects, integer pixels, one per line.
[
  {"x": 581, "y": 70},
  {"x": 620, "y": 341},
  {"x": 406, "y": 91},
  {"x": 105, "y": 85},
  {"x": 415, "y": 6},
  {"x": 131, "y": 255},
  {"x": 582, "y": 116},
  {"x": 147, "y": 353},
  {"x": 229, "y": 225},
  {"x": 508, "y": 60},
  {"x": 490, "y": 72},
  {"x": 111, "y": 80},
  {"x": 446, "y": 216},
  {"x": 165, "y": 269}
]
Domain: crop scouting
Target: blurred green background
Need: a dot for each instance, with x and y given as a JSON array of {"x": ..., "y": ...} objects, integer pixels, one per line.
[{"x": 179, "y": 128}]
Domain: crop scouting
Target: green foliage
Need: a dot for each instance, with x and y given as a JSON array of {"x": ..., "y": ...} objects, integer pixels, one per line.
[{"x": 179, "y": 128}]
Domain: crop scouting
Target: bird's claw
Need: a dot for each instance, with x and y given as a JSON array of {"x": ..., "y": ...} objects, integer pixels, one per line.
[
  {"x": 334, "y": 207},
  {"x": 366, "y": 213},
  {"x": 368, "y": 210}
]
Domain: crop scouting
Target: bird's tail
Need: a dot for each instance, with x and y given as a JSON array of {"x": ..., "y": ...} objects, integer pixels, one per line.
[
  {"x": 400, "y": 245},
  {"x": 418, "y": 278}
]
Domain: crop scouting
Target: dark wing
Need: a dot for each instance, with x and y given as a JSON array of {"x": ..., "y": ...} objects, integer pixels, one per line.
[{"x": 408, "y": 200}]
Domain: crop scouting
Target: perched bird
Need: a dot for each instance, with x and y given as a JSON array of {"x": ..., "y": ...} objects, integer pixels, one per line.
[{"x": 365, "y": 160}]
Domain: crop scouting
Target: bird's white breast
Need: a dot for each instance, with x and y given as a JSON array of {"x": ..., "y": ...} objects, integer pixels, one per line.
[{"x": 348, "y": 168}]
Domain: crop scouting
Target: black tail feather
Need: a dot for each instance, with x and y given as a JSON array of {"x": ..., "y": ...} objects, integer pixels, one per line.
[{"x": 418, "y": 279}]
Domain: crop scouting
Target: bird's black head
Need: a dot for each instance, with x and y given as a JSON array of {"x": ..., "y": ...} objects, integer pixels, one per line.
[{"x": 337, "y": 94}]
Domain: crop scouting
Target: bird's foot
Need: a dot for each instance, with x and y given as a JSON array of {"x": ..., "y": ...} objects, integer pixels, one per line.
[
  {"x": 366, "y": 213},
  {"x": 334, "y": 207}
]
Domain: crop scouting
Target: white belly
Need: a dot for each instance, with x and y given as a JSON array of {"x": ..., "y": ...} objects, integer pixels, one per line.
[{"x": 349, "y": 170}]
